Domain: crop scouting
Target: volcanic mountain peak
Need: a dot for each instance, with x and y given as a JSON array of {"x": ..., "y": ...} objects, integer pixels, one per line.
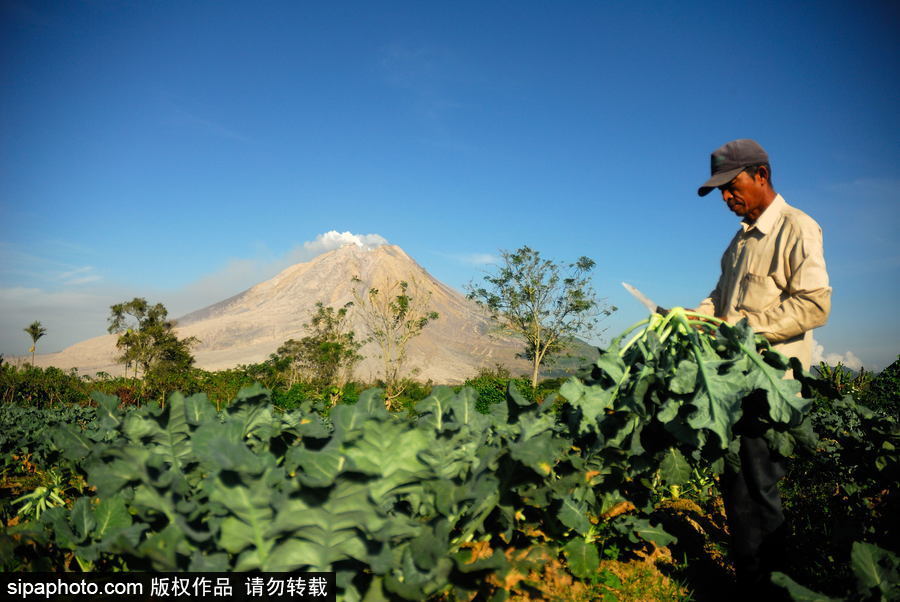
[{"x": 249, "y": 326}]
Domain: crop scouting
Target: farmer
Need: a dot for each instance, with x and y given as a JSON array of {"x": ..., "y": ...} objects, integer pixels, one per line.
[{"x": 773, "y": 274}]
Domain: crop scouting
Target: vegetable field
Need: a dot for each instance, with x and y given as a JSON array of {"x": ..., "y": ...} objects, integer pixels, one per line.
[{"x": 605, "y": 490}]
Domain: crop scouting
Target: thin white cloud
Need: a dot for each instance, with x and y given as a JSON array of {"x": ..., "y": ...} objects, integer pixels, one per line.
[
  {"x": 75, "y": 272},
  {"x": 82, "y": 275},
  {"x": 848, "y": 358},
  {"x": 19, "y": 266},
  {"x": 84, "y": 280},
  {"x": 481, "y": 259},
  {"x": 476, "y": 259}
]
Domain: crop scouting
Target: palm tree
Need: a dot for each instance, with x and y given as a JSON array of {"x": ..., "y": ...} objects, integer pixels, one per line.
[{"x": 35, "y": 331}]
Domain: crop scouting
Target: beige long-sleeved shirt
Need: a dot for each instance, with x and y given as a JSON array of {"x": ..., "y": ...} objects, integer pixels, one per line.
[{"x": 773, "y": 273}]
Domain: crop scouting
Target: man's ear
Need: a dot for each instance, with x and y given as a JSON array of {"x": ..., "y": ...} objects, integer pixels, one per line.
[{"x": 763, "y": 173}]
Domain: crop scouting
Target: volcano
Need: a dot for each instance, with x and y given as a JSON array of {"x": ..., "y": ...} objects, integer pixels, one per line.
[{"x": 251, "y": 325}]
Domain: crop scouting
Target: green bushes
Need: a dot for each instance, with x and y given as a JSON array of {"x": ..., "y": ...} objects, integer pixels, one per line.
[
  {"x": 848, "y": 489},
  {"x": 492, "y": 390},
  {"x": 43, "y": 387},
  {"x": 883, "y": 393},
  {"x": 40, "y": 386}
]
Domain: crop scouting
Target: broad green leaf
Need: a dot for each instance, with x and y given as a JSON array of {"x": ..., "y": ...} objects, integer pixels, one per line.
[
  {"x": 785, "y": 404},
  {"x": 452, "y": 458},
  {"x": 305, "y": 425},
  {"x": 631, "y": 397},
  {"x": 499, "y": 414},
  {"x": 389, "y": 450},
  {"x": 110, "y": 516},
  {"x": 140, "y": 425},
  {"x": 230, "y": 455},
  {"x": 418, "y": 583},
  {"x": 669, "y": 410},
  {"x": 59, "y": 521},
  {"x": 430, "y": 546},
  {"x": 685, "y": 380},
  {"x": 253, "y": 395},
  {"x": 109, "y": 476},
  {"x": 258, "y": 422},
  {"x": 167, "y": 432},
  {"x": 371, "y": 403},
  {"x": 613, "y": 365},
  {"x": 107, "y": 410},
  {"x": 74, "y": 444},
  {"x": 163, "y": 548},
  {"x": 874, "y": 567},
  {"x": 124, "y": 540},
  {"x": 573, "y": 514},
  {"x": 322, "y": 535},
  {"x": 718, "y": 397},
  {"x": 641, "y": 528},
  {"x": 347, "y": 423},
  {"x": 625, "y": 428},
  {"x": 207, "y": 446},
  {"x": 655, "y": 534},
  {"x": 431, "y": 409},
  {"x": 592, "y": 401},
  {"x": 147, "y": 497},
  {"x": 582, "y": 558},
  {"x": 235, "y": 535},
  {"x": 462, "y": 405},
  {"x": 539, "y": 453},
  {"x": 315, "y": 468},
  {"x": 250, "y": 516},
  {"x": 199, "y": 409},
  {"x": 797, "y": 591},
  {"x": 110, "y": 402},
  {"x": 674, "y": 469}
]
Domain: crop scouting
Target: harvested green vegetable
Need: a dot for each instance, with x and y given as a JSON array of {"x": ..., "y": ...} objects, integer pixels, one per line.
[{"x": 685, "y": 377}]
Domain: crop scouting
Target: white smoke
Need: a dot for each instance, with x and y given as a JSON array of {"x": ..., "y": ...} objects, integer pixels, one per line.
[
  {"x": 333, "y": 240},
  {"x": 848, "y": 359}
]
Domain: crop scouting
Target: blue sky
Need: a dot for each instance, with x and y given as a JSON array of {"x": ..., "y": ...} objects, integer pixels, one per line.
[{"x": 185, "y": 151}]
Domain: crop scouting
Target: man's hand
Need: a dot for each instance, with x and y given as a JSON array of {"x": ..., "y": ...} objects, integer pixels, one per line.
[{"x": 702, "y": 324}]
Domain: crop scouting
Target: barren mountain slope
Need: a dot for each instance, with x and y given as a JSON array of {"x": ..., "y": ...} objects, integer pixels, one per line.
[{"x": 249, "y": 326}]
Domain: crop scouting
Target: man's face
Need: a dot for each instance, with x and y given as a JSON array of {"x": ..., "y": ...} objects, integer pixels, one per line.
[{"x": 746, "y": 195}]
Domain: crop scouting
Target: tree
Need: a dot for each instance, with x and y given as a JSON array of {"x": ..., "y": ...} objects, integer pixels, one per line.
[
  {"x": 393, "y": 317},
  {"x": 327, "y": 355},
  {"x": 533, "y": 299},
  {"x": 35, "y": 331},
  {"x": 147, "y": 339}
]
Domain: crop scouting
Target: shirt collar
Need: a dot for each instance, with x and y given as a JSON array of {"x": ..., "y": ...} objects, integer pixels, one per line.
[{"x": 766, "y": 221}]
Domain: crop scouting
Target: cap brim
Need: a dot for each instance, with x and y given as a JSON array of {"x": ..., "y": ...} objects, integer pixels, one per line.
[{"x": 719, "y": 179}]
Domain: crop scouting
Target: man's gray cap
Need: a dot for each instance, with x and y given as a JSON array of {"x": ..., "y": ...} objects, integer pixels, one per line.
[{"x": 730, "y": 159}]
